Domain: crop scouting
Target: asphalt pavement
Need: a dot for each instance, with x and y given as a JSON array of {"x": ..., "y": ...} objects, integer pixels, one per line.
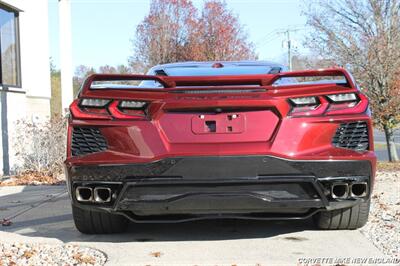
[
  {"x": 43, "y": 214},
  {"x": 380, "y": 144}
]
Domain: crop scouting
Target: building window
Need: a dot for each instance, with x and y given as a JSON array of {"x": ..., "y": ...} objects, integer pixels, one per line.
[{"x": 9, "y": 46}]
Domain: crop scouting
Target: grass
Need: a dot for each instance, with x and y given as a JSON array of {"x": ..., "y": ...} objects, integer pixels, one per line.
[
  {"x": 382, "y": 146},
  {"x": 388, "y": 166}
]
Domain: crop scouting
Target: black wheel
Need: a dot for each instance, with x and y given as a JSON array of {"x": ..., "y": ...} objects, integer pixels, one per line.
[
  {"x": 348, "y": 218},
  {"x": 93, "y": 222}
]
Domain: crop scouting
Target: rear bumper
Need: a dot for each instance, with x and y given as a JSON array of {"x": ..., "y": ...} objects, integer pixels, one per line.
[{"x": 251, "y": 187}]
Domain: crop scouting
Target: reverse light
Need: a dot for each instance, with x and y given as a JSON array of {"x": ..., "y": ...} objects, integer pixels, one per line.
[
  {"x": 94, "y": 102},
  {"x": 133, "y": 111},
  {"x": 346, "y": 97},
  {"x": 304, "y": 101},
  {"x": 132, "y": 104},
  {"x": 308, "y": 106}
]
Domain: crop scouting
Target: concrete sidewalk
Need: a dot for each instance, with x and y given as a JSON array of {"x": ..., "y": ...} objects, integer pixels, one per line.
[{"x": 44, "y": 215}]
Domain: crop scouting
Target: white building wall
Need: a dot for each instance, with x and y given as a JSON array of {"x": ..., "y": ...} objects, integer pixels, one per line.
[
  {"x": 33, "y": 103},
  {"x": 34, "y": 46}
]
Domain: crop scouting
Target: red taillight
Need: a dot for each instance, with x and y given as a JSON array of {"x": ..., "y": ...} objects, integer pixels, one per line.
[
  {"x": 119, "y": 112},
  {"x": 103, "y": 109},
  {"x": 303, "y": 108},
  {"x": 359, "y": 105},
  {"x": 334, "y": 104},
  {"x": 79, "y": 112}
]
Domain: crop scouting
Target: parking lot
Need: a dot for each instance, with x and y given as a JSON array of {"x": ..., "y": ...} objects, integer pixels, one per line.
[{"x": 43, "y": 214}]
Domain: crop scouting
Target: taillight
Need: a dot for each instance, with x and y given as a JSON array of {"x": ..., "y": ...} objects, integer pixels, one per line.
[
  {"x": 124, "y": 111},
  {"x": 333, "y": 104},
  {"x": 88, "y": 112},
  {"x": 90, "y": 108},
  {"x": 97, "y": 103},
  {"x": 307, "y": 106},
  {"x": 349, "y": 103}
]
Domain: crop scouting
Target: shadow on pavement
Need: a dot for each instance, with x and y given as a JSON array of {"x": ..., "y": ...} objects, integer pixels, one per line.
[{"x": 53, "y": 219}]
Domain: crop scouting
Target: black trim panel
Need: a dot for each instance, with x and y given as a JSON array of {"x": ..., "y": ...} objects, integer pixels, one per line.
[{"x": 224, "y": 167}]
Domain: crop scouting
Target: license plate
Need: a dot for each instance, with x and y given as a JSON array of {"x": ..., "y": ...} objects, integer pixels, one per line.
[{"x": 219, "y": 123}]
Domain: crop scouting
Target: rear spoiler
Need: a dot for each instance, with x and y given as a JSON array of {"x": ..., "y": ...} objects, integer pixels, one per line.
[{"x": 171, "y": 82}]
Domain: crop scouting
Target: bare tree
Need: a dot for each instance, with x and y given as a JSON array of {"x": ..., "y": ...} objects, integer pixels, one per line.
[
  {"x": 222, "y": 37},
  {"x": 304, "y": 62},
  {"x": 173, "y": 31},
  {"x": 122, "y": 69},
  {"x": 81, "y": 73},
  {"x": 364, "y": 36},
  {"x": 107, "y": 69},
  {"x": 163, "y": 35},
  {"x": 40, "y": 147}
]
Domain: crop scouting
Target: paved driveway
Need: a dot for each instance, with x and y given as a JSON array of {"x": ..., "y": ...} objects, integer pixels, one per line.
[{"x": 44, "y": 214}]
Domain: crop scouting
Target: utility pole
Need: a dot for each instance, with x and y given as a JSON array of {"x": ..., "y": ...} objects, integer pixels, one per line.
[{"x": 289, "y": 45}]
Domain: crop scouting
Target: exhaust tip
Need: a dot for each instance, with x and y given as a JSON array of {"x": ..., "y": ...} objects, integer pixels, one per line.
[
  {"x": 340, "y": 190},
  {"x": 359, "y": 189},
  {"x": 84, "y": 194},
  {"x": 102, "y": 194}
]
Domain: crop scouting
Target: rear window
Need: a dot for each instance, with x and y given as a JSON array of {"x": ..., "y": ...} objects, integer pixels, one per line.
[
  {"x": 222, "y": 71},
  {"x": 125, "y": 84},
  {"x": 204, "y": 71},
  {"x": 340, "y": 80}
]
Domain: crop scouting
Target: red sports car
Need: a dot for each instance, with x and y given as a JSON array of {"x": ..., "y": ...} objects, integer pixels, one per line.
[{"x": 202, "y": 140}]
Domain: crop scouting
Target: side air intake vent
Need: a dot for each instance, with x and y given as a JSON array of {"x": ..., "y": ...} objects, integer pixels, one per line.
[
  {"x": 87, "y": 140},
  {"x": 352, "y": 135}
]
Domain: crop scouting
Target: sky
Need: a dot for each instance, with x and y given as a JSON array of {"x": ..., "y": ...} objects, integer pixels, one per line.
[{"x": 102, "y": 30}]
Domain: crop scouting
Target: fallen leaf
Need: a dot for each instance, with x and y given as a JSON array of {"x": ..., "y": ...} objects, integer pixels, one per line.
[
  {"x": 156, "y": 254},
  {"x": 5, "y": 222},
  {"x": 28, "y": 254}
]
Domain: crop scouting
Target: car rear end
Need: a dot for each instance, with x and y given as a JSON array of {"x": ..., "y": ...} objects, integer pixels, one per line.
[{"x": 242, "y": 146}]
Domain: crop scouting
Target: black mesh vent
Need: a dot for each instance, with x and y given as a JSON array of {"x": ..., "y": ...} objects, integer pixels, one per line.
[
  {"x": 87, "y": 140},
  {"x": 352, "y": 135}
]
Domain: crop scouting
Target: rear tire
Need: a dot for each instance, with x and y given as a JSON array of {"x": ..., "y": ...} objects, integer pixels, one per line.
[
  {"x": 349, "y": 218},
  {"x": 94, "y": 222}
]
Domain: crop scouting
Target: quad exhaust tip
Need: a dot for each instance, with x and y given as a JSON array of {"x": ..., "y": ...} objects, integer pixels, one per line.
[
  {"x": 340, "y": 190},
  {"x": 97, "y": 194},
  {"x": 84, "y": 194},
  {"x": 343, "y": 190},
  {"x": 359, "y": 189},
  {"x": 102, "y": 194}
]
